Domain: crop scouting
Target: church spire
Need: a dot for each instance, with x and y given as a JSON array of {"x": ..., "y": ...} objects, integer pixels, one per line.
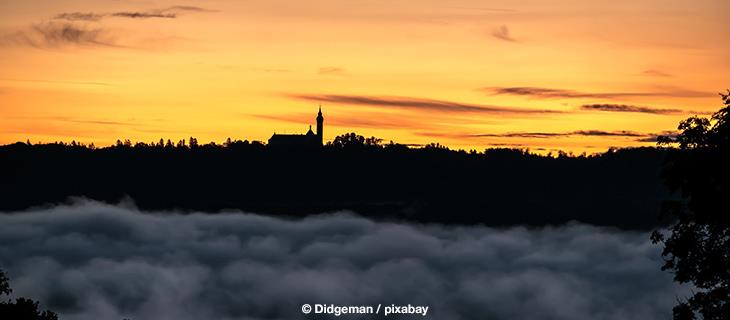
[{"x": 320, "y": 126}]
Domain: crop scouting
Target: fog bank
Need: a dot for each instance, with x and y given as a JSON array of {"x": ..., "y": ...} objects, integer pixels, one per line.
[{"x": 96, "y": 261}]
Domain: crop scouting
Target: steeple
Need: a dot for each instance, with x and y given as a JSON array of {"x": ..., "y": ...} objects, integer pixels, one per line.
[{"x": 320, "y": 126}]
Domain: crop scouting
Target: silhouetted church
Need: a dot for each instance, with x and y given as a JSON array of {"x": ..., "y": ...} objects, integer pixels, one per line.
[{"x": 307, "y": 140}]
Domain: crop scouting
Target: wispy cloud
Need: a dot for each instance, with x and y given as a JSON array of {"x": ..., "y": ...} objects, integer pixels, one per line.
[
  {"x": 366, "y": 120},
  {"x": 591, "y": 133},
  {"x": 607, "y": 107},
  {"x": 64, "y": 28},
  {"x": 92, "y": 121},
  {"x": 143, "y": 15},
  {"x": 416, "y": 103},
  {"x": 271, "y": 70},
  {"x": 90, "y": 83},
  {"x": 79, "y": 16},
  {"x": 620, "y": 134},
  {"x": 551, "y": 93},
  {"x": 497, "y": 10},
  {"x": 165, "y": 13},
  {"x": 502, "y": 33},
  {"x": 189, "y": 9},
  {"x": 331, "y": 71},
  {"x": 655, "y": 137},
  {"x": 54, "y": 34},
  {"x": 655, "y": 73}
]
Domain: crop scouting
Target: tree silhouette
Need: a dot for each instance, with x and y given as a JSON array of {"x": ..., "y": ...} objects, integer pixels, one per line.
[
  {"x": 698, "y": 248},
  {"x": 4, "y": 284},
  {"x": 429, "y": 183},
  {"x": 22, "y": 308}
]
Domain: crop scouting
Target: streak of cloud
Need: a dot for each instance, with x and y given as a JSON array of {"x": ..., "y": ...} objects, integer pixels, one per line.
[
  {"x": 92, "y": 121},
  {"x": 55, "y": 34},
  {"x": 592, "y": 133},
  {"x": 502, "y": 33},
  {"x": 143, "y": 15},
  {"x": 655, "y": 73},
  {"x": 79, "y": 16},
  {"x": 622, "y": 134},
  {"x": 608, "y": 107},
  {"x": 551, "y": 93},
  {"x": 166, "y": 13},
  {"x": 90, "y": 83},
  {"x": 348, "y": 121},
  {"x": 331, "y": 71},
  {"x": 416, "y": 103},
  {"x": 654, "y": 138},
  {"x": 497, "y": 10},
  {"x": 94, "y": 261}
]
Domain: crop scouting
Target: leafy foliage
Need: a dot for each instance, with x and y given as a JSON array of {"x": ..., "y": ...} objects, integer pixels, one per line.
[
  {"x": 698, "y": 248},
  {"x": 22, "y": 308}
]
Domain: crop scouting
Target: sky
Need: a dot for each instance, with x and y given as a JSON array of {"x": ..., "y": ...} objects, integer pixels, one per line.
[{"x": 546, "y": 75}]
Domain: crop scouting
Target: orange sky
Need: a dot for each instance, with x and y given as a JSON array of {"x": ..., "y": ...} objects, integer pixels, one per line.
[{"x": 572, "y": 75}]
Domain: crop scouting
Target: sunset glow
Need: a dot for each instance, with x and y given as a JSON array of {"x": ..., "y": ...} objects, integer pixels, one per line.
[{"x": 545, "y": 75}]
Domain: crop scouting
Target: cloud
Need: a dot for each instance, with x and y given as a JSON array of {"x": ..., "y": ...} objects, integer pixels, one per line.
[
  {"x": 502, "y": 33},
  {"x": 591, "y": 133},
  {"x": 166, "y": 13},
  {"x": 92, "y": 121},
  {"x": 550, "y": 93},
  {"x": 628, "y": 108},
  {"x": 55, "y": 34},
  {"x": 79, "y": 16},
  {"x": 635, "y": 136},
  {"x": 188, "y": 8},
  {"x": 348, "y": 121},
  {"x": 331, "y": 71},
  {"x": 368, "y": 120},
  {"x": 497, "y": 10},
  {"x": 88, "y": 83},
  {"x": 143, "y": 15},
  {"x": 654, "y": 138},
  {"x": 655, "y": 73},
  {"x": 271, "y": 70},
  {"x": 416, "y": 103},
  {"x": 599, "y": 133},
  {"x": 94, "y": 261}
]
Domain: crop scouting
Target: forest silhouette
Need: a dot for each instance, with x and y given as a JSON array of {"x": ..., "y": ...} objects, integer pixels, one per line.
[{"x": 431, "y": 184}]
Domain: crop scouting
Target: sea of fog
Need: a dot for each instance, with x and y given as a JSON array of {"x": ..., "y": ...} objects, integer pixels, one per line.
[{"x": 95, "y": 261}]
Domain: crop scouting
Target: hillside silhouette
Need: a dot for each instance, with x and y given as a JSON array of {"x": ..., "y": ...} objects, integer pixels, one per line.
[{"x": 433, "y": 184}]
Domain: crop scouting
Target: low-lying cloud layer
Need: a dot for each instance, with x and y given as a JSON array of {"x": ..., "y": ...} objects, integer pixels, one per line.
[{"x": 93, "y": 261}]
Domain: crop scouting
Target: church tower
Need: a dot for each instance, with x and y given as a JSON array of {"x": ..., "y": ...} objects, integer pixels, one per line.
[{"x": 320, "y": 126}]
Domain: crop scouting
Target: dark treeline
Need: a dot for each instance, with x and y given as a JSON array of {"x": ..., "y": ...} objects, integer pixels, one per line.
[{"x": 496, "y": 187}]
